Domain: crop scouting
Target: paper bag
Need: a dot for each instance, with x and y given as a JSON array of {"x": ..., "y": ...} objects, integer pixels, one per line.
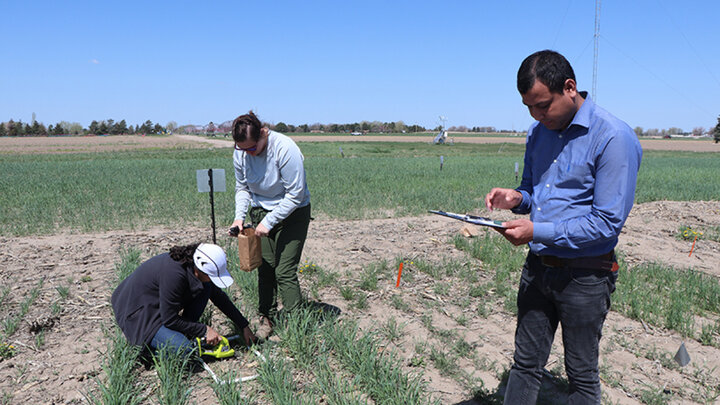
[{"x": 250, "y": 250}]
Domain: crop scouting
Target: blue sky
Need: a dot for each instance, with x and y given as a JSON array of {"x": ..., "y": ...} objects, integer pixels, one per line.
[{"x": 348, "y": 61}]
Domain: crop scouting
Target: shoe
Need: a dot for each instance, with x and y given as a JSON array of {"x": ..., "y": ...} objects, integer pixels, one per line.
[{"x": 264, "y": 329}]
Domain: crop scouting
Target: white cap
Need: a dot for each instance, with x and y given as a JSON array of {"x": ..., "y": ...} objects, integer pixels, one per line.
[{"x": 211, "y": 260}]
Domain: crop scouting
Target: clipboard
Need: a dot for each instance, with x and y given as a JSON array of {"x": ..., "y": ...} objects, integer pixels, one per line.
[{"x": 473, "y": 219}]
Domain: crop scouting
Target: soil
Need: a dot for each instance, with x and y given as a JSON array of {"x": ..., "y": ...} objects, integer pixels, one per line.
[
  {"x": 75, "y": 144},
  {"x": 633, "y": 353}
]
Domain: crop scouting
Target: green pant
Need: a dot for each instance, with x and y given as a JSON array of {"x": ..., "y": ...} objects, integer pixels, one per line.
[{"x": 281, "y": 251}]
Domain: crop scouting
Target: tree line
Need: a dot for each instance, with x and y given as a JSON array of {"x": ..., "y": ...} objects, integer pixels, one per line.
[
  {"x": 111, "y": 127},
  {"x": 364, "y": 126},
  {"x": 697, "y": 131},
  {"x": 104, "y": 127}
]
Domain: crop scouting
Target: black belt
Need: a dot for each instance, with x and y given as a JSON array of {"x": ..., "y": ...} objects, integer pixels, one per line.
[{"x": 603, "y": 262}]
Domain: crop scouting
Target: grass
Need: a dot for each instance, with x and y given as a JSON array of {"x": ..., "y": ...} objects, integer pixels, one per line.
[
  {"x": 333, "y": 359},
  {"x": 99, "y": 192},
  {"x": 119, "y": 365},
  {"x": 230, "y": 392},
  {"x": 668, "y": 297},
  {"x": 11, "y": 323},
  {"x": 172, "y": 368},
  {"x": 501, "y": 260},
  {"x": 137, "y": 189}
]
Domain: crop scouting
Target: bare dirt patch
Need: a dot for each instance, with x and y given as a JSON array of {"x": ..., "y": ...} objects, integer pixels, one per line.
[
  {"x": 647, "y": 144},
  {"x": 59, "y": 370},
  {"x": 70, "y": 144},
  {"x": 82, "y": 144}
]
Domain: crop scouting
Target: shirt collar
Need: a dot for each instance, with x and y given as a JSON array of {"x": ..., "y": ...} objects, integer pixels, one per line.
[{"x": 582, "y": 116}]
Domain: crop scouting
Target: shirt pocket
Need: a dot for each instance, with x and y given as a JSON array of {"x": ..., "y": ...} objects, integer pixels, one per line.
[{"x": 575, "y": 175}]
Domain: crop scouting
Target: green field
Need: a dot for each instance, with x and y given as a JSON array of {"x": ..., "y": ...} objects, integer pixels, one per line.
[
  {"x": 316, "y": 360},
  {"x": 129, "y": 190}
]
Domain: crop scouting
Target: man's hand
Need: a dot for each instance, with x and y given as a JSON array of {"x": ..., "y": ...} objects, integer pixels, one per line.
[
  {"x": 249, "y": 336},
  {"x": 212, "y": 337},
  {"x": 502, "y": 198},
  {"x": 518, "y": 231},
  {"x": 261, "y": 230}
]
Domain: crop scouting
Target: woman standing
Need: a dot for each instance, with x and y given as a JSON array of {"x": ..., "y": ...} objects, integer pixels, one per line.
[
  {"x": 161, "y": 301},
  {"x": 270, "y": 178}
]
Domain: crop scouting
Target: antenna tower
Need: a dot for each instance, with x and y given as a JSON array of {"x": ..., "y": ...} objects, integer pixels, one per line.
[{"x": 596, "y": 36}]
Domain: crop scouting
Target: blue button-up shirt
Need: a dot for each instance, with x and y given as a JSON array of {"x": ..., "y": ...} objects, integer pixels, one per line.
[{"x": 578, "y": 184}]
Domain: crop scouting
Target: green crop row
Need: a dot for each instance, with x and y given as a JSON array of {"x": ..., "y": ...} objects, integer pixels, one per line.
[{"x": 128, "y": 190}]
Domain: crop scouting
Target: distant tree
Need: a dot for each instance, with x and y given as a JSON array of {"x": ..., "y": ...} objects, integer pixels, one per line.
[
  {"x": 698, "y": 131},
  {"x": 73, "y": 128},
  {"x": 3, "y": 130},
  {"x": 11, "y": 129},
  {"x": 103, "y": 128},
  {"x": 145, "y": 128},
  {"x": 638, "y": 131},
  {"x": 26, "y": 130},
  {"x": 120, "y": 128},
  {"x": 281, "y": 127},
  {"x": 716, "y": 131},
  {"x": 110, "y": 126},
  {"x": 94, "y": 128},
  {"x": 58, "y": 130},
  {"x": 171, "y": 126},
  {"x": 674, "y": 131},
  {"x": 39, "y": 128},
  {"x": 35, "y": 128},
  {"x": 158, "y": 129}
]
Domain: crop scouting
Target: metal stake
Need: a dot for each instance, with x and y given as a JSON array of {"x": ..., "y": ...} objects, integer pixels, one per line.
[{"x": 212, "y": 202}]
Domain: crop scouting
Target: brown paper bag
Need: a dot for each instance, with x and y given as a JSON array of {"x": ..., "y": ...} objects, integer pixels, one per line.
[{"x": 250, "y": 250}]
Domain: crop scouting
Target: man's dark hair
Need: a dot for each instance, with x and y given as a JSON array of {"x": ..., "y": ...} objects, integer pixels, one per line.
[
  {"x": 549, "y": 67},
  {"x": 246, "y": 126},
  {"x": 184, "y": 254}
]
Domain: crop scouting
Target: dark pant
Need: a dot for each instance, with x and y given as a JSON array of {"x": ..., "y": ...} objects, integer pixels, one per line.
[
  {"x": 281, "y": 251},
  {"x": 577, "y": 298},
  {"x": 177, "y": 340}
]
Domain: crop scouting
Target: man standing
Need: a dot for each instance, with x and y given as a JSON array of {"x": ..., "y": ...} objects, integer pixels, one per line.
[{"x": 578, "y": 185}]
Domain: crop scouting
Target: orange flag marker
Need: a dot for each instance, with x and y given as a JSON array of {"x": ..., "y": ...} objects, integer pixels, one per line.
[
  {"x": 399, "y": 274},
  {"x": 693, "y": 246}
]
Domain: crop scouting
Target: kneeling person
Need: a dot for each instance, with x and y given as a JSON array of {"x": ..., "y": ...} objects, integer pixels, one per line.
[{"x": 148, "y": 303}]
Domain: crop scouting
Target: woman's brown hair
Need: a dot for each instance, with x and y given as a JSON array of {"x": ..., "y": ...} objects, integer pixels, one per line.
[{"x": 246, "y": 126}]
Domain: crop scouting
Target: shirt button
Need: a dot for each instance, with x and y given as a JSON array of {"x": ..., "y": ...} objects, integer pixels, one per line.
[
  {"x": 539, "y": 209},
  {"x": 559, "y": 136},
  {"x": 547, "y": 185},
  {"x": 554, "y": 160}
]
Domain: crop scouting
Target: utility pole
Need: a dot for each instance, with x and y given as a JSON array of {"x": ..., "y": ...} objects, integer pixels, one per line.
[{"x": 596, "y": 36}]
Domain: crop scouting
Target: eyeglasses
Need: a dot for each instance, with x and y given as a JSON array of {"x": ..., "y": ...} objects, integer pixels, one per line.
[{"x": 253, "y": 149}]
